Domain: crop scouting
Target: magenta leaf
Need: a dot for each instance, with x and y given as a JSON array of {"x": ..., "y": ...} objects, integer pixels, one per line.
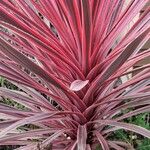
[
  {"x": 69, "y": 68},
  {"x": 81, "y": 137}
]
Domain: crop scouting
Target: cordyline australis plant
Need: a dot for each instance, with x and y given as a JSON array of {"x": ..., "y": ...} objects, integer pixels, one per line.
[{"x": 66, "y": 57}]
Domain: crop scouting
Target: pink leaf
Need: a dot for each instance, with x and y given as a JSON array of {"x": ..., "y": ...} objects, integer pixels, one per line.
[
  {"x": 77, "y": 85},
  {"x": 81, "y": 137}
]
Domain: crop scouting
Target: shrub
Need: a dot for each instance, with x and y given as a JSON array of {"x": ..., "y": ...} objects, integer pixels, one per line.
[{"x": 65, "y": 59}]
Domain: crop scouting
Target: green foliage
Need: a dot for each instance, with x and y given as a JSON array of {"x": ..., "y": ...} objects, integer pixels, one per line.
[
  {"x": 10, "y": 102},
  {"x": 143, "y": 144},
  {"x": 98, "y": 147},
  {"x": 142, "y": 120},
  {"x": 7, "y": 84},
  {"x": 1, "y": 81},
  {"x": 135, "y": 140}
]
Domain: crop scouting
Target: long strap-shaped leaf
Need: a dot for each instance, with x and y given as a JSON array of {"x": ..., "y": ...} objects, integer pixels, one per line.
[
  {"x": 126, "y": 126},
  {"x": 35, "y": 118},
  {"x": 81, "y": 137},
  {"x": 114, "y": 66},
  {"x": 25, "y": 62},
  {"x": 86, "y": 34},
  {"x": 102, "y": 141},
  {"x": 52, "y": 137}
]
